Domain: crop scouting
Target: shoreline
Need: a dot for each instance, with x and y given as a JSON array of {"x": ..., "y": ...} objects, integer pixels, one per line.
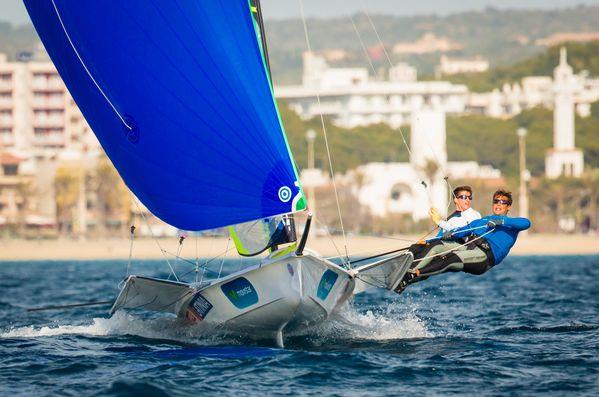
[{"x": 147, "y": 248}]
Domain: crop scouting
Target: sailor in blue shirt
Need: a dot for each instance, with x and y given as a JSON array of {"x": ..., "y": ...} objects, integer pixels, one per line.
[{"x": 474, "y": 248}]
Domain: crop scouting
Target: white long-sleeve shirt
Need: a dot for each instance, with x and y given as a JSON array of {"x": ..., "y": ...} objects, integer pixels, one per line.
[{"x": 460, "y": 219}]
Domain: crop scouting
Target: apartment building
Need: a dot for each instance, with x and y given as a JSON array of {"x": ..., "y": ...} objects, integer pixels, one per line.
[{"x": 38, "y": 117}]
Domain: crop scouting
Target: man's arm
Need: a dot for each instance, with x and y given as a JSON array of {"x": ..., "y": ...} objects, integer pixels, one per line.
[
  {"x": 518, "y": 224},
  {"x": 470, "y": 229}
]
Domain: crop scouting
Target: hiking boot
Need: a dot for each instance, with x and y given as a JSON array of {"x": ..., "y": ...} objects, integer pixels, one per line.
[{"x": 407, "y": 279}]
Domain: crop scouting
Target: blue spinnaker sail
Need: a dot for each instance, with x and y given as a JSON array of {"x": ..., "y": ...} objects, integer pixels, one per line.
[{"x": 179, "y": 97}]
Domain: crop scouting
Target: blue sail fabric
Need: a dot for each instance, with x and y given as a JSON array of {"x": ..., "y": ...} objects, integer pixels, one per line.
[{"x": 179, "y": 97}]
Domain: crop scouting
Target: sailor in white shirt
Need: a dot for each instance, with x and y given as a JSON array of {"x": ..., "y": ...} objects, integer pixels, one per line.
[{"x": 463, "y": 214}]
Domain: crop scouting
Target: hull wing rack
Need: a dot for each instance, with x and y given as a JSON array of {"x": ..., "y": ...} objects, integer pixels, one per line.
[{"x": 152, "y": 294}]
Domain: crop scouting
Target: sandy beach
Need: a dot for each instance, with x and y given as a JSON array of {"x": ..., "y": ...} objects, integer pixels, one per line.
[{"x": 64, "y": 249}]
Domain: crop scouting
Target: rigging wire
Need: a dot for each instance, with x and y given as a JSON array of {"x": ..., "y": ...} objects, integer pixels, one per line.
[
  {"x": 223, "y": 261},
  {"x": 316, "y": 218},
  {"x": 363, "y": 46},
  {"x": 369, "y": 59},
  {"x": 326, "y": 140},
  {"x": 143, "y": 216},
  {"x": 197, "y": 261},
  {"x": 375, "y": 30},
  {"x": 204, "y": 268},
  {"x": 454, "y": 248},
  {"x": 132, "y": 232},
  {"x": 330, "y": 236},
  {"x": 85, "y": 67},
  {"x": 179, "y": 249}
]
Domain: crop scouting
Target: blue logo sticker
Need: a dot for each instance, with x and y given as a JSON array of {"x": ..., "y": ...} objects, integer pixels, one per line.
[
  {"x": 326, "y": 284},
  {"x": 240, "y": 292}
]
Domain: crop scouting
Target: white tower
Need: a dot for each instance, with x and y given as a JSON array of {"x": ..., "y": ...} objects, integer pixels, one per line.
[
  {"x": 429, "y": 159},
  {"x": 315, "y": 68},
  {"x": 563, "y": 158}
]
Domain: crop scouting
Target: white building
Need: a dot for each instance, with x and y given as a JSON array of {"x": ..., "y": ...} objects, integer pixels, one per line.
[
  {"x": 352, "y": 98},
  {"x": 40, "y": 125},
  {"x": 426, "y": 44},
  {"x": 532, "y": 91},
  {"x": 564, "y": 158},
  {"x": 38, "y": 117},
  {"x": 462, "y": 65},
  {"x": 397, "y": 188}
]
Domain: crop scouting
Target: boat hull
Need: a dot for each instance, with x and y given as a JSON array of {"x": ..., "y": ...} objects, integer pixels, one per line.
[{"x": 284, "y": 295}]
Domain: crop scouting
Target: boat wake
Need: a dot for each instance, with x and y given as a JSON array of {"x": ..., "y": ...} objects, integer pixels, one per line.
[{"x": 387, "y": 323}]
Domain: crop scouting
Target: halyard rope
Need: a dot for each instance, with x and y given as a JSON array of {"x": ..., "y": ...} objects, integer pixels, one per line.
[
  {"x": 85, "y": 67},
  {"x": 391, "y": 65},
  {"x": 324, "y": 129}
]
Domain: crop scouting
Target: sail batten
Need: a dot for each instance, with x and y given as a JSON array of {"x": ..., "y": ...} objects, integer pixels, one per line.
[{"x": 206, "y": 147}]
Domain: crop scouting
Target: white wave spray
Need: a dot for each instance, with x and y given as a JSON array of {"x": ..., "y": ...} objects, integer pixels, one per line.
[{"x": 394, "y": 321}]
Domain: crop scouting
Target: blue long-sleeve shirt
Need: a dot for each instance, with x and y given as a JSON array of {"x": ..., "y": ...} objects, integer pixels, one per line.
[{"x": 502, "y": 239}]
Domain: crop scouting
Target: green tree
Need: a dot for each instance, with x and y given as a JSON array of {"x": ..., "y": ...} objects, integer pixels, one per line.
[
  {"x": 66, "y": 185},
  {"x": 113, "y": 201}
]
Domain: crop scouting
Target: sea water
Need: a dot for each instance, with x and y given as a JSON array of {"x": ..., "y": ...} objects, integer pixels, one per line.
[{"x": 529, "y": 326}]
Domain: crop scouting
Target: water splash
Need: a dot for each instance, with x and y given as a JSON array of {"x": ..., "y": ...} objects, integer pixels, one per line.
[
  {"x": 391, "y": 322},
  {"x": 385, "y": 323},
  {"x": 394, "y": 321},
  {"x": 125, "y": 324}
]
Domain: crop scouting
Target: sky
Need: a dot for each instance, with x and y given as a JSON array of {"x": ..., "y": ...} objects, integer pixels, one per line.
[
  {"x": 279, "y": 9},
  {"x": 14, "y": 11}
]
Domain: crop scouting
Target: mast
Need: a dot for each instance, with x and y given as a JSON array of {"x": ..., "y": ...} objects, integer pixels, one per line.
[{"x": 257, "y": 11}]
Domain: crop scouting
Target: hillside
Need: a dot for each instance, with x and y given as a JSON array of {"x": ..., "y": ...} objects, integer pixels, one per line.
[
  {"x": 504, "y": 37},
  {"x": 16, "y": 39},
  {"x": 581, "y": 56}
]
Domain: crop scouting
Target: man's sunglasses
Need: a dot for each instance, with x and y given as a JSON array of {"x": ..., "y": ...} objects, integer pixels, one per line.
[
  {"x": 464, "y": 197},
  {"x": 498, "y": 201}
]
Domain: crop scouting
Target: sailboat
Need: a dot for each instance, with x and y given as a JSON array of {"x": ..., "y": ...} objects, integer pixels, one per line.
[{"x": 180, "y": 97}]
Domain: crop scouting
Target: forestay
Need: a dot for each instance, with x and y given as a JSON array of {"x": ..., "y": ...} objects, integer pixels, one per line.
[{"x": 178, "y": 95}]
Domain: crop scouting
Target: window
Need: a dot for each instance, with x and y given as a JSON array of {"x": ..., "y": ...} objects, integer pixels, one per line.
[
  {"x": 10, "y": 169},
  {"x": 400, "y": 190}
]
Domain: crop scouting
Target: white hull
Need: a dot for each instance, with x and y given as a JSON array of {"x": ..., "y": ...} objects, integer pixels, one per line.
[
  {"x": 280, "y": 295},
  {"x": 284, "y": 293}
]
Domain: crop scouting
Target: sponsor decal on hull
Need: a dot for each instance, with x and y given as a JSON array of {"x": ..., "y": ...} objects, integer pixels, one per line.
[
  {"x": 240, "y": 292},
  {"x": 198, "y": 308},
  {"x": 327, "y": 281}
]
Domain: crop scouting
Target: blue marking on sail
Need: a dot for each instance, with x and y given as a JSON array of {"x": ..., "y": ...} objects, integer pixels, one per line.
[{"x": 207, "y": 148}]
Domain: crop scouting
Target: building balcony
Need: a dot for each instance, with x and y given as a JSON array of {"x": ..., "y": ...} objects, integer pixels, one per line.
[
  {"x": 49, "y": 140},
  {"x": 8, "y": 181},
  {"x": 326, "y": 108},
  {"x": 48, "y": 86},
  {"x": 7, "y": 140},
  {"x": 6, "y": 86},
  {"x": 40, "y": 103},
  {"x": 6, "y": 123},
  {"x": 49, "y": 122},
  {"x": 6, "y": 103}
]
